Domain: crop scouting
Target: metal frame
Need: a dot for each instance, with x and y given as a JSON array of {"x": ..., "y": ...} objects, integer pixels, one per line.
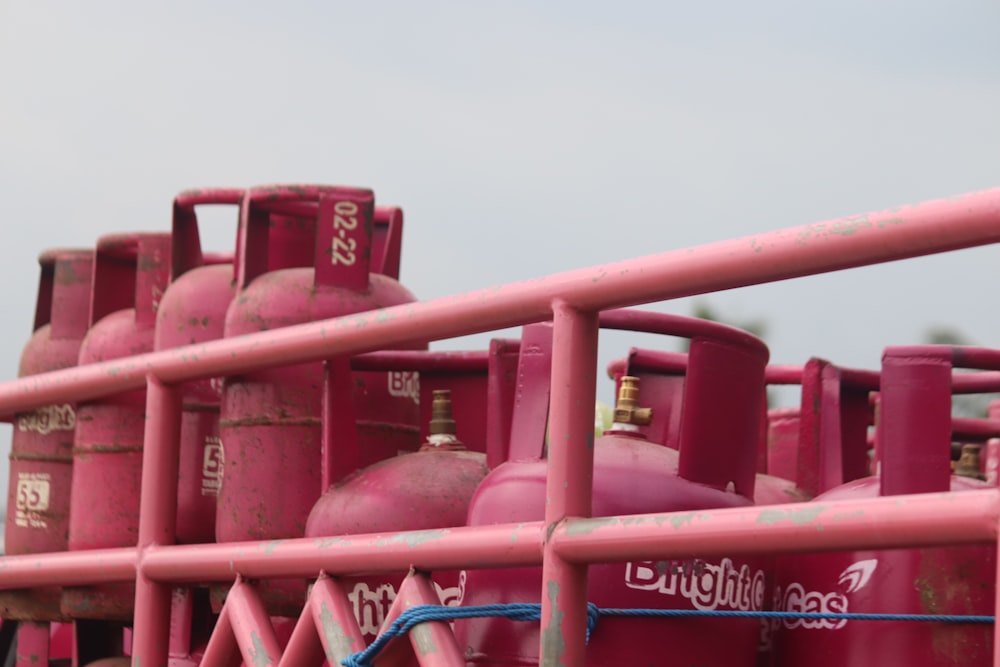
[{"x": 567, "y": 540}]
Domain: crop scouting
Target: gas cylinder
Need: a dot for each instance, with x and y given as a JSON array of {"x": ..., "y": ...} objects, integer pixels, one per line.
[
  {"x": 426, "y": 489},
  {"x": 270, "y": 419},
  {"x": 714, "y": 467},
  {"x": 662, "y": 376},
  {"x": 41, "y": 455},
  {"x": 423, "y": 490},
  {"x": 130, "y": 274},
  {"x": 193, "y": 310},
  {"x": 915, "y": 455}
]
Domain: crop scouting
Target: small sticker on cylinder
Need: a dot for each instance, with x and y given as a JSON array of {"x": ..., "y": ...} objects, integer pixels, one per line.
[
  {"x": 32, "y": 498},
  {"x": 212, "y": 466}
]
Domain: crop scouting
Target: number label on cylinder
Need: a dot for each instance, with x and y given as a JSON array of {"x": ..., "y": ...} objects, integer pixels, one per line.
[
  {"x": 343, "y": 239},
  {"x": 345, "y": 225},
  {"x": 32, "y": 498},
  {"x": 213, "y": 463}
]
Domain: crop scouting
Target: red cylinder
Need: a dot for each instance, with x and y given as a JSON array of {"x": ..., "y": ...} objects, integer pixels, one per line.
[
  {"x": 130, "y": 276},
  {"x": 714, "y": 467},
  {"x": 41, "y": 455},
  {"x": 916, "y": 438},
  {"x": 270, "y": 419}
]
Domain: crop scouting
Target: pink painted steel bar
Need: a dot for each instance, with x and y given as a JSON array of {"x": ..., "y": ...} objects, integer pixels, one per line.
[
  {"x": 444, "y": 549},
  {"x": 32, "y": 644},
  {"x": 910, "y": 231},
  {"x": 975, "y": 383},
  {"x": 569, "y": 483},
  {"x": 931, "y": 519},
  {"x": 978, "y": 429},
  {"x": 68, "y": 568},
  {"x": 433, "y": 642},
  {"x": 410, "y": 360},
  {"x": 251, "y": 626},
  {"x": 222, "y": 649},
  {"x": 157, "y": 519},
  {"x": 333, "y": 616},
  {"x": 304, "y": 647},
  {"x": 778, "y": 374}
]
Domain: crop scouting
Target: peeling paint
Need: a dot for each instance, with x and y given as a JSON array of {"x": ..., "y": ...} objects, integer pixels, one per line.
[
  {"x": 258, "y": 654},
  {"x": 679, "y": 520},
  {"x": 553, "y": 642},
  {"x": 798, "y": 516},
  {"x": 587, "y": 526},
  {"x": 327, "y": 542},
  {"x": 338, "y": 643},
  {"x": 882, "y": 224},
  {"x": 517, "y": 529},
  {"x": 269, "y": 547},
  {"x": 423, "y": 640},
  {"x": 414, "y": 538}
]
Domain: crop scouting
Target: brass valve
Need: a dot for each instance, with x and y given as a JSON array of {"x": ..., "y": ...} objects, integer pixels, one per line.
[
  {"x": 442, "y": 422},
  {"x": 627, "y": 410},
  {"x": 968, "y": 463}
]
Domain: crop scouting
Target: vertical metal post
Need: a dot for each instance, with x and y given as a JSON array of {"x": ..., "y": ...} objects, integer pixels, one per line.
[
  {"x": 996, "y": 611},
  {"x": 570, "y": 478},
  {"x": 32, "y": 644},
  {"x": 157, "y": 520}
]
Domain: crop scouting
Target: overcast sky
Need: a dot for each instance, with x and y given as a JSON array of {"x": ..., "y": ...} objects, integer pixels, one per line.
[{"x": 521, "y": 138}]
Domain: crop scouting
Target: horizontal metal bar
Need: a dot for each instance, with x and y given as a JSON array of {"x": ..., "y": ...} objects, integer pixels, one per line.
[
  {"x": 68, "y": 568},
  {"x": 933, "y": 519},
  {"x": 444, "y": 549},
  {"x": 909, "y": 231}
]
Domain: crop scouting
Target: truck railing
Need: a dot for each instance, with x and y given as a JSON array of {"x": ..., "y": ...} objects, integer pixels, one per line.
[{"x": 566, "y": 541}]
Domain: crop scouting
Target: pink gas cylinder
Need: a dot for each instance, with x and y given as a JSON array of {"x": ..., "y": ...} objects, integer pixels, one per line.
[
  {"x": 270, "y": 419},
  {"x": 130, "y": 274},
  {"x": 915, "y": 444},
  {"x": 41, "y": 455},
  {"x": 714, "y": 467},
  {"x": 426, "y": 489},
  {"x": 781, "y": 440},
  {"x": 193, "y": 310},
  {"x": 662, "y": 377},
  {"x": 833, "y": 417},
  {"x": 835, "y": 408}
]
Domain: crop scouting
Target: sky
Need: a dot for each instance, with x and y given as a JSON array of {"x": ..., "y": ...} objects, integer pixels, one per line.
[{"x": 521, "y": 139}]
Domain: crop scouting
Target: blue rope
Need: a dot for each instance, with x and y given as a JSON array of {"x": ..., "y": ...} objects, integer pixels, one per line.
[{"x": 523, "y": 611}]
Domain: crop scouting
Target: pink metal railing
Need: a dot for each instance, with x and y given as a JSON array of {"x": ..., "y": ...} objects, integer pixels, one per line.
[{"x": 566, "y": 541}]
